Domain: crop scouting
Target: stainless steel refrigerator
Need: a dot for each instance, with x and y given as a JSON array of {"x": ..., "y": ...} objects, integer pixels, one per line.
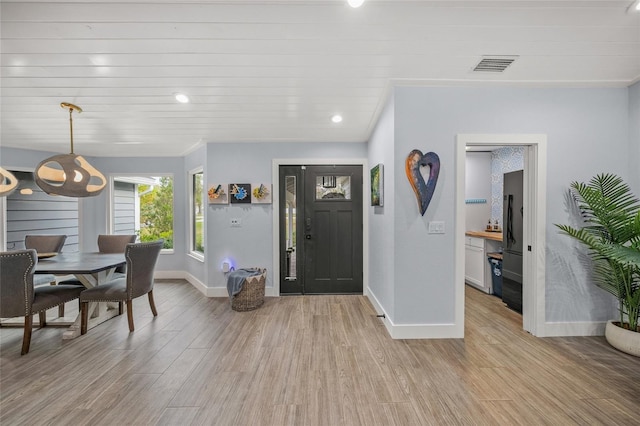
[{"x": 512, "y": 232}]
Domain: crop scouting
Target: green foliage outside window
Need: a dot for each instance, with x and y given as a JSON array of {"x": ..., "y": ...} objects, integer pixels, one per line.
[
  {"x": 156, "y": 212},
  {"x": 198, "y": 212}
]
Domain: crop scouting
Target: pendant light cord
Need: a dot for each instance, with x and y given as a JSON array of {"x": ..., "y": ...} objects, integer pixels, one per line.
[
  {"x": 71, "y": 127},
  {"x": 71, "y": 108}
]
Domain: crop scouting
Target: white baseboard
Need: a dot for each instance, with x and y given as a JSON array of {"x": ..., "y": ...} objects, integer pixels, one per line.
[
  {"x": 169, "y": 275},
  {"x": 565, "y": 329},
  {"x": 414, "y": 331},
  {"x": 271, "y": 292},
  {"x": 199, "y": 285}
]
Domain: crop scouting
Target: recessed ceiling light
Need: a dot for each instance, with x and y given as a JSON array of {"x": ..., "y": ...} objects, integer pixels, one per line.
[
  {"x": 182, "y": 98},
  {"x": 635, "y": 7},
  {"x": 336, "y": 118},
  {"x": 355, "y": 3}
]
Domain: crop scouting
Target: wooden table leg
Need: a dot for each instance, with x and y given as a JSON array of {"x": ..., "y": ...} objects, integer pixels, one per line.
[{"x": 99, "y": 312}]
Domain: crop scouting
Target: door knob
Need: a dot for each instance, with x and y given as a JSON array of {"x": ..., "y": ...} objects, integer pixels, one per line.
[{"x": 308, "y": 236}]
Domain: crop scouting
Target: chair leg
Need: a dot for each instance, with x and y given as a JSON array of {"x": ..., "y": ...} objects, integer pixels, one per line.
[
  {"x": 60, "y": 307},
  {"x": 152, "y": 304},
  {"x": 130, "y": 314},
  {"x": 84, "y": 317},
  {"x": 43, "y": 318},
  {"x": 26, "y": 339}
]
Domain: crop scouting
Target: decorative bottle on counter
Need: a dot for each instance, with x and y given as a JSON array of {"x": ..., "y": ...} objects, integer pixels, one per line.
[
  {"x": 496, "y": 227},
  {"x": 489, "y": 225}
]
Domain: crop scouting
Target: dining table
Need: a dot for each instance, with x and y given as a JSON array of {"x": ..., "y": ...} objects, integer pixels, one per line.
[{"x": 91, "y": 269}]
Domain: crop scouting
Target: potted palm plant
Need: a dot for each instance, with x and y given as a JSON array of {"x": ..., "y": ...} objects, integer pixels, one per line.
[{"x": 611, "y": 232}]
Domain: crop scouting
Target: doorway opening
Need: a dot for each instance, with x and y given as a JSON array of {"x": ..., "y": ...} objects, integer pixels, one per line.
[
  {"x": 534, "y": 222},
  {"x": 321, "y": 229}
]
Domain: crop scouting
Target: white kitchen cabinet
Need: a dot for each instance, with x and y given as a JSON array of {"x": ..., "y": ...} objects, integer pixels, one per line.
[
  {"x": 477, "y": 271},
  {"x": 474, "y": 261}
]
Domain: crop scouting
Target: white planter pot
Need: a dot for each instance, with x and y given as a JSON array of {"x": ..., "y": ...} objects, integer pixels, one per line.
[{"x": 624, "y": 340}]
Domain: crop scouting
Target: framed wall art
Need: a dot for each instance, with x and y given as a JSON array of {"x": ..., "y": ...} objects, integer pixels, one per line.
[
  {"x": 261, "y": 193},
  {"x": 240, "y": 193},
  {"x": 377, "y": 185},
  {"x": 217, "y": 193}
]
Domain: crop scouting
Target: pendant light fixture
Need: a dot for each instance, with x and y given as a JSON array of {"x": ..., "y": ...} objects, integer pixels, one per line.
[
  {"x": 8, "y": 182},
  {"x": 69, "y": 174}
]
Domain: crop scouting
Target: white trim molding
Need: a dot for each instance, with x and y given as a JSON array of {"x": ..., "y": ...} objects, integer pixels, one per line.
[
  {"x": 200, "y": 286},
  {"x": 413, "y": 331},
  {"x": 535, "y": 184},
  {"x": 563, "y": 329}
]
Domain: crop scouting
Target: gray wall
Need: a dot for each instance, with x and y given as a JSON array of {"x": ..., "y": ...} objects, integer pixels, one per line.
[
  {"x": 587, "y": 133},
  {"x": 634, "y": 137},
  {"x": 251, "y": 244},
  {"x": 124, "y": 208},
  {"x": 40, "y": 214},
  {"x": 381, "y": 227}
]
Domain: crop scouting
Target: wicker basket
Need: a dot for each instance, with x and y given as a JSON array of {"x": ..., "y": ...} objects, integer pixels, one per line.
[{"x": 252, "y": 294}]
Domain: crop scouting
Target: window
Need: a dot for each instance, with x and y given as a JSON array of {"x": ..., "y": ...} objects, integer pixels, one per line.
[
  {"x": 333, "y": 187},
  {"x": 144, "y": 205},
  {"x": 196, "y": 179}
]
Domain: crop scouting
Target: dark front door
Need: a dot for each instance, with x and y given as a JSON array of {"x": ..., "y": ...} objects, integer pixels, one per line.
[{"x": 321, "y": 229}]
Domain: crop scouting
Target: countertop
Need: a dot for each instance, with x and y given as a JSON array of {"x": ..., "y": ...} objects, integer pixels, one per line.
[{"x": 495, "y": 236}]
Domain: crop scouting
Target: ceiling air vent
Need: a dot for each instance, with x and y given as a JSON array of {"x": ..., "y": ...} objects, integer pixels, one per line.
[{"x": 494, "y": 63}]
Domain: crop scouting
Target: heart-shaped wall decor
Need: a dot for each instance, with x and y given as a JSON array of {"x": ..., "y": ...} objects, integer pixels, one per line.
[{"x": 424, "y": 190}]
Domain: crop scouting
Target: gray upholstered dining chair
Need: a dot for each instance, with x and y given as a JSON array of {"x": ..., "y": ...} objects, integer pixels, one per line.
[
  {"x": 21, "y": 298},
  {"x": 110, "y": 244},
  {"x": 141, "y": 263},
  {"x": 46, "y": 244},
  {"x": 115, "y": 244}
]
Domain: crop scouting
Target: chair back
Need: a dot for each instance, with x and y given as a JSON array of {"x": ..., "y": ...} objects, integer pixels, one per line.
[
  {"x": 114, "y": 243},
  {"x": 141, "y": 263},
  {"x": 45, "y": 243},
  {"x": 16, "y": 282}
]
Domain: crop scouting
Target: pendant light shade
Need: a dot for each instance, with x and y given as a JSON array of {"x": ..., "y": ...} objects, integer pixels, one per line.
[
  {"x": 8, "y": 182},
  {"x": 69, "y": 174}
]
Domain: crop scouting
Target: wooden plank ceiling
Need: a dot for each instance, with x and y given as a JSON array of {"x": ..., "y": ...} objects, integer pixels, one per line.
[{"x": 264, "y": 71}]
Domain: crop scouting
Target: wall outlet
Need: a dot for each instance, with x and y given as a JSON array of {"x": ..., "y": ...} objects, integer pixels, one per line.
[
  {"x": 235, "y": 222},
  {"x": 436, "y": 227}
]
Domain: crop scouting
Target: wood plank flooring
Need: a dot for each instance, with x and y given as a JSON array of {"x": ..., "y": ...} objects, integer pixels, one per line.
[{"x": 315, "y": 360}]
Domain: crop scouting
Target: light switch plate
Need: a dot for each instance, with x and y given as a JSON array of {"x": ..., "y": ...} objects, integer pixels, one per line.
[
  {"x": 235, "y": 222},
  {"x": 436, "y": 227}
]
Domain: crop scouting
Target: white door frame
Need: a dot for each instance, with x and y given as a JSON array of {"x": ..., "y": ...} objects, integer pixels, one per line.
[
  {"x": 366, "y": 190},
  {"x": 535, "y": 184}
]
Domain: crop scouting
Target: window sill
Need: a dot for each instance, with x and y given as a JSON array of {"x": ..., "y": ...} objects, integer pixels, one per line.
[{"x": 197, "y": 256}]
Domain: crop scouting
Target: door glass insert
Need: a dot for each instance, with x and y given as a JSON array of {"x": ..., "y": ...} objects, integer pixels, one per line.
[
  {"x": 333, "y": 187},
  {"x": 290, "y": 226}
]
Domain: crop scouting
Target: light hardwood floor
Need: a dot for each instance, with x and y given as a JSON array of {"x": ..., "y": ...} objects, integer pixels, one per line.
[{"x": 315, "y": 360}]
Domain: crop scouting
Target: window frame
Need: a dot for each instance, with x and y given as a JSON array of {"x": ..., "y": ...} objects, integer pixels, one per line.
[
  {"x": 198, "y": 255},
  {"x": 111, "y": 188}
]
